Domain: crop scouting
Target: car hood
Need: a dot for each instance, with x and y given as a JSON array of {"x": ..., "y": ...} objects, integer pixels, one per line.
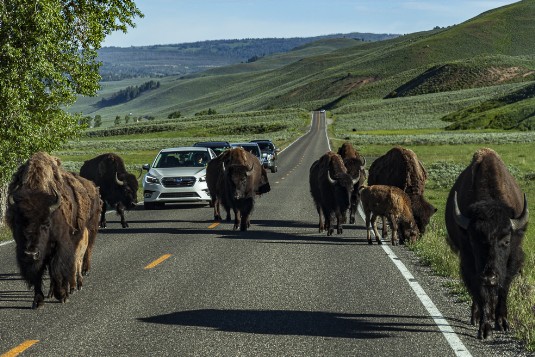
[{"x": 178, "y": 171}]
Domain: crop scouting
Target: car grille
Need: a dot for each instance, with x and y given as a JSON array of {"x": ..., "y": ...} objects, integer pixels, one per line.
[
  {"x": 179, "y": 195},
  {"x": 178, "y": 181}
]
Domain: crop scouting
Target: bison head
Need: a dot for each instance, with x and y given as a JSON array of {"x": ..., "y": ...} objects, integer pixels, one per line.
[
  {"x": 33, "y": 213},
  {"x": 239, "y": 180},
  {"x": 493, "y": 234},
  {"x": 128, "y": 185},
  {"x": 343, "y": 185}
]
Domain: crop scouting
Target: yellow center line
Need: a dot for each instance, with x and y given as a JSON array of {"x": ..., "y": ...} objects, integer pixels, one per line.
[
  {"x": 213, "y": 225},
  {"x": 20, "y": 348},
  {"x": 156, "y": 262}
]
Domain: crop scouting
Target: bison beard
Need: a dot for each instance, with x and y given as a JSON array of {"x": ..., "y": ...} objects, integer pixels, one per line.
[
  {"x": 486, "y": 217},
  {"x": 48, "y": 211}
]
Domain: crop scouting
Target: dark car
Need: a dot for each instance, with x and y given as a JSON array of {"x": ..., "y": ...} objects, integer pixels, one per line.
[
  {"x": 217, "y": 146},
  {"x": 269, "y": 153}
]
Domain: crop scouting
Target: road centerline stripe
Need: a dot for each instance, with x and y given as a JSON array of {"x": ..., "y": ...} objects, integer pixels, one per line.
[
  {"x": 20, "y": 348},
  {"x": 213, "y": 225},
  {"x": 157, "y": 261}
]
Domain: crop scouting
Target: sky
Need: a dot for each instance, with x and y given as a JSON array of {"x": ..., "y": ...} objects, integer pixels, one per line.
[{"x": 179, "y": 21}]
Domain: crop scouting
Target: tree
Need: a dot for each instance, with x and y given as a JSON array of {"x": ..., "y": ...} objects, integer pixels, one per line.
[
  {"x": 48, "y": 57},
  {"x": 117, "y": 120},
  {"x": 98, "y": 121}
]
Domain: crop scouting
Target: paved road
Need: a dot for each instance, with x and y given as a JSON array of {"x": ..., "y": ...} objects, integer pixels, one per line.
[{"x": 279, "y": 289}]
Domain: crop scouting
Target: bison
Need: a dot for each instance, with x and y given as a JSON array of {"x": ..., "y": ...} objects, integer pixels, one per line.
[
  {"x": 400, "y": 167},
  {"x": 486, "y": 217},
  {"x": 118, "y": 188},
  {"x": 390, "y": 202},
  {"x": 215, "y": 183},
  {"x": 243, "y": 177},
  {"x": 52, "y": 213},
  {"x": 331, "y": 188},
  {"x": 355, "y": 164}
]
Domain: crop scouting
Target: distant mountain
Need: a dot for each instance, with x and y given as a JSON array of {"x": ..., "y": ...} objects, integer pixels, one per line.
[{"x": 187, "y": 58}]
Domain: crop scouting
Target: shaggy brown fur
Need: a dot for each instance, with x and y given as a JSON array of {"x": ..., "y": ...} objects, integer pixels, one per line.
[
  {"x": 401, "y": 167},
  {"x": 392, "y": 203},
  {"x": 49, "y": 210}
]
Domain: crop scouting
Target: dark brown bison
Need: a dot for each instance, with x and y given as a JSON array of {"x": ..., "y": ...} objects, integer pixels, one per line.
[
  {"x": 355, "y": 164},
  {"x": 243, "y": 179},
  {"x": 400, "y": 167},
  {"x": 394, "y": 204},
  {"x": 486, "y": 217},
  {"x": 331, "y": 188},
  {"x": 215, "y": 183},
  {"x": 53, "y": 215},
  {"x": 118, "y": 188}
]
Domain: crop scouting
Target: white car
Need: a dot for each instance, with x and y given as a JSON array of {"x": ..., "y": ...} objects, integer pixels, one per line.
[{"x": 177, "y": 175}]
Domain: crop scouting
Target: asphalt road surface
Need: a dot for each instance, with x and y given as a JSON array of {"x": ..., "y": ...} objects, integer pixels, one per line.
[{"x": 176, "y": 284}]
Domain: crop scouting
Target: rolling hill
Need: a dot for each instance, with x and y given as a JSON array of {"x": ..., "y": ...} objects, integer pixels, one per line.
[{"x": 494, "y": 48}]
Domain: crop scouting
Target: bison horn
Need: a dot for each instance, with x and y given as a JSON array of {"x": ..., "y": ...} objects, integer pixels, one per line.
[
  {"x": 355, "y": 181},
  {"x": 56, "y": 204},
  {"x": 119, "y": 182},
  {"x": 10, "y": 199},
  {"x": 250, "y": 171},
  {"x": 223, "y": 169},
  {"x": 460, "y": 219},
  {"x": 364, "y": 163},
  {"x": 330, "y": 178},
  {"x": 521, "y": 221}
]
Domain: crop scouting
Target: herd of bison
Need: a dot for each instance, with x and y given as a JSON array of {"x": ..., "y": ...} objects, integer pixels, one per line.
[{"x": 55, "y": 214}]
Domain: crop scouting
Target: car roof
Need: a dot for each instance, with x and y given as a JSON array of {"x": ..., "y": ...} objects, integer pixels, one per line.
[
  {"x": 244, "y": 144},
  {"x": 261, "y": 141},
  {"x": 212, "y": 143},
  {"x": 185, "y": 148}
]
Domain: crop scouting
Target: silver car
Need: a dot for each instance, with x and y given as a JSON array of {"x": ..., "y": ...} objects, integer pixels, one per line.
[{"x": 177, "y": 175}]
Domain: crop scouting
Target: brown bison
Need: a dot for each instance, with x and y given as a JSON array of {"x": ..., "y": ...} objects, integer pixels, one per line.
[
  {"x": 118, "y": 188},
  {"x": 215, "y": 183},
  {"x": 243, "y": 177},
  {"x": 400, "y": 167},
  {"x": 486, "y": 217},
  {"x": 394, "y": 204},
  {"x": 355, "y": 164},
  {"x": 331, "y": 188},
  {"x": 52, "y": 214}
]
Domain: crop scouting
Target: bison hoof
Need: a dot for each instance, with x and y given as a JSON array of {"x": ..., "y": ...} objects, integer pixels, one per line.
[
  {"x": 501, "y": 324},
  {"x": 125, "y": 225},
  {"x": 351, "y": 220},
  {"x": 485, "y": 331},
  {"x": 217, "y": 218},
  {"x": 339, "y": 231},
  {"x": 370, "y": 242},
  {"x": 380, "y": 242},
  {"x": 38, "y": 302}
]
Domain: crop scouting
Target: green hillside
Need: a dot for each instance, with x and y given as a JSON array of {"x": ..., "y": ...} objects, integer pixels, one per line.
[
  {"x": 513, "y": 111},
  {"x": 494, "y": 48}
]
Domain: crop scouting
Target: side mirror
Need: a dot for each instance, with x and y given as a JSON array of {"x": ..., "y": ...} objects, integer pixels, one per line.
[{"x": 146, "y": 167}]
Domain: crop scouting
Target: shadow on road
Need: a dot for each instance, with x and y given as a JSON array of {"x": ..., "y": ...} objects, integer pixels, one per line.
[{"x": 301, "y": 323}]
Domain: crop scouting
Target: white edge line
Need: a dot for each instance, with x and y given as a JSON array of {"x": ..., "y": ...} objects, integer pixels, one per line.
[{"x": 459, "y": 349}]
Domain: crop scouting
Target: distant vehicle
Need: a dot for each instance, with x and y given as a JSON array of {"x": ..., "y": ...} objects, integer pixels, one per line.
[
  {"x": 177, "y": 175},
  {"x": 269, "y": 153},
  {"x": 253, "y": 148},
  {"x": 217, "y": 146},
  {"x": 322, "y": 111}
]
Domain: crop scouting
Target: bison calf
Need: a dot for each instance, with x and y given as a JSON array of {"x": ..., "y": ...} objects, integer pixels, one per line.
[{"x": 392, "y": 203}]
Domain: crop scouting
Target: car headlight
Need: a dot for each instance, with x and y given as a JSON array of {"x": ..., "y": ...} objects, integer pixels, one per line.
[
  {"x": 151, "y": 179},
  {"x": 202, "y": 179}
]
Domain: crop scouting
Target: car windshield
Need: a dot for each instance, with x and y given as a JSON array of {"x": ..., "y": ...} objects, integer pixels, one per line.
[
  {"x": 253, "y": 149},
  {"x": 182, "y": 159},
  {"x": 265, "y": 146}
]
